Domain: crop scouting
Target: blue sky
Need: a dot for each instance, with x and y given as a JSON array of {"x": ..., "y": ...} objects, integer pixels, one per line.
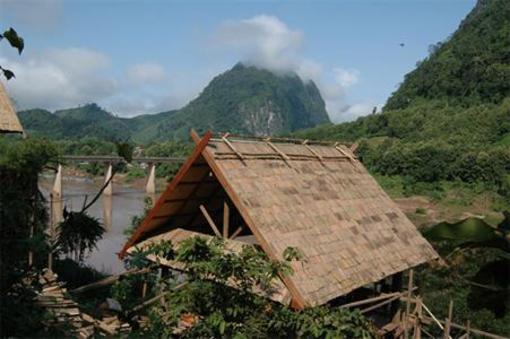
[{"x": 135, "y": 57}]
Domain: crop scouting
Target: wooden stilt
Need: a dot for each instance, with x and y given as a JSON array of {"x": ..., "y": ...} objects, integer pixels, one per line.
[
  {"x": 419, "y": 314},
  {"x": 30, "y": 253},
  {"x": 408, "y": 304},
  {"x": 226, "y": 219}
]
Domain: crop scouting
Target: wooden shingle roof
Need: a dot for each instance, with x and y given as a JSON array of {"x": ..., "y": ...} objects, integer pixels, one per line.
[
  {"x": 317, "y": 198},
  {"x": 9, "y": 122}
]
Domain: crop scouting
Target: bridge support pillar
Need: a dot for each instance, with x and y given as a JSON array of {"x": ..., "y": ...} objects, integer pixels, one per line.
[
  {"x": 150, "y": 188},
  {"x": 57, "y": 184},
  {"x": 109, "y": 188}
]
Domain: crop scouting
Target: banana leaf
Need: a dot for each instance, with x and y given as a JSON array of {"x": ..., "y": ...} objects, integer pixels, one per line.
[{"x": 470, "y": 232}]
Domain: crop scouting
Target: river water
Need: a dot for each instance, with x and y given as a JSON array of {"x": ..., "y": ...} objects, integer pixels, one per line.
[{"x": 115, "y": 212}]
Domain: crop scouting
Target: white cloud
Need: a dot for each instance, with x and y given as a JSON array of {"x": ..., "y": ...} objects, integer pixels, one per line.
[
  {"x": 60, "y": 78},
  {"x": 354, "y": 111},
  {"x": 64, "y": 78},
  {"x": 346, "y": 77},
  {"x": 146, "y": 73},
  {"x": 267, "y": 42},
  {"x": 262, "y": 40},
  {"x": 35, "y": 14}
]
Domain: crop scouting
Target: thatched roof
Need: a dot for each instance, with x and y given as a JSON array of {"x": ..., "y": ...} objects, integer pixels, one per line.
[
  {"x": 9, "y": 122},
  {"x": 317, "y": 198}
]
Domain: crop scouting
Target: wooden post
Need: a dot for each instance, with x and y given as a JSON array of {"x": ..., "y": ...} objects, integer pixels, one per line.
[
  {"x": 150, "y": 188},
  {"x": 109, "y": 189},
  {"x": 30, "y": 253},
  {"x": 468, "y": 329},
  {"x": 417, "y": 325},
  {"x": 226, "y": 219},
  {"x": 408, "y": 303},
  {"x": 448, "y": 322}
]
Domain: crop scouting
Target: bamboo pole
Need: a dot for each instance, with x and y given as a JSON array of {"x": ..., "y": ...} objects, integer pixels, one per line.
[
  {"x": 144, "y": 289},
  {"x": 108, "y": 280},
  {"x": 448, "y": 321},
  {"x": 471, "y": 330},
  {"x": 236, "y": 233},
  {"x": 382, "y": 303},
  {"x": 210, "y": 221}
]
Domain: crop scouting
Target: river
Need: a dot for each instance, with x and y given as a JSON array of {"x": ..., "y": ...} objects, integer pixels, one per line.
[{"x": 115, "y": 212}]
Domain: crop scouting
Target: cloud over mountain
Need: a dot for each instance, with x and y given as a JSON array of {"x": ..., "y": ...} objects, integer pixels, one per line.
[{"x": 60, "y": 78}]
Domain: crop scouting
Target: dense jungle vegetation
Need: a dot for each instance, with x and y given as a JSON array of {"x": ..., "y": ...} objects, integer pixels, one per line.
[{"x": 450, "y": 118}]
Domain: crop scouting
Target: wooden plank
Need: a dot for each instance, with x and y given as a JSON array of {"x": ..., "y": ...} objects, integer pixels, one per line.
[
  {"x": 297, "y": 299},
  {"x": 99, "y": 324},
  {"x": 226, "y": 219},
  {"x": 197, "y": 152},
  {"x": 210, "y": 221}
]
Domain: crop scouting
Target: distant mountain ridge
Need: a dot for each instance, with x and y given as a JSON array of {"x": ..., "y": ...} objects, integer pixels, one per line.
[
  {"x": 243, "y": 100},
  {"x": 460, "y": 91}
]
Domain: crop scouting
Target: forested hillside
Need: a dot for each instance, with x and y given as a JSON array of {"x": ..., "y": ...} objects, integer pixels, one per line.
[
  {"x": 450, "y": 118},
  {"x": 243, "y": 100}
]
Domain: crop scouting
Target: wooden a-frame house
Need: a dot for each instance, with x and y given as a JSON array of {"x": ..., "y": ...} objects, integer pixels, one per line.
[{"x": 313, "y": 196}]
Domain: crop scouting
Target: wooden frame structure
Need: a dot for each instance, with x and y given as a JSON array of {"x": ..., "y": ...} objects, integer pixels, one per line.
[{"x": 315, "y": 197}]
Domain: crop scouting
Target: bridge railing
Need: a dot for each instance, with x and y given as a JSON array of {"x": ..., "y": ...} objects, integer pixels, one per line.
[{"x": 117, "y": 159}]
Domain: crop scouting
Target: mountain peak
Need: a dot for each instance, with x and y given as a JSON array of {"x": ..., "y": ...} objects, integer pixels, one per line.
[{"x": 243, "y": 100}]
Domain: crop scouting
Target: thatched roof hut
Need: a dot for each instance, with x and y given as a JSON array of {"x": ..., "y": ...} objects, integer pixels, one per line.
[
  {"x": 9, "y": 122},
  {"x": 315, "y": 197}
]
